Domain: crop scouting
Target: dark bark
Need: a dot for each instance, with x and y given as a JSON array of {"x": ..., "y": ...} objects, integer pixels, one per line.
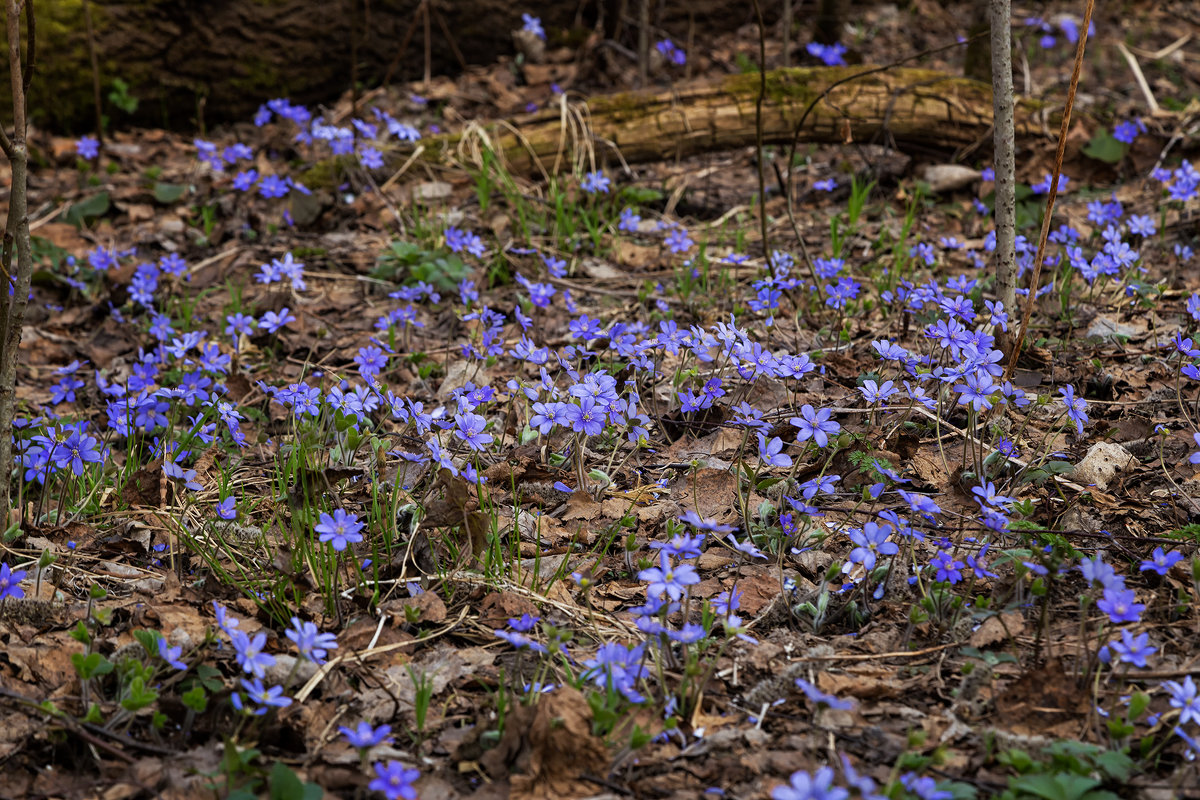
[{"x": 217, "y": 60}]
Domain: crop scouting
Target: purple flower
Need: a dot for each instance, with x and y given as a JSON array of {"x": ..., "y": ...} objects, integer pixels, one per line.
[
  {"x": 986, "y": 495},
  {"x": 746, "y": 547},
  {"x": 1096, "y": 571},
  {"x": 238, "y": 323},
  {"x": 628, "y": 221},
  {"x": 946, "y": 567},
  {"x": 1076, "y": 407},
  {"x": 1161, "y": 562},
  {"x": 1121, "y": 605},
  {"x": 1128, "y": 131},
  {"x": 87, "y": 147},
  {"x": 395, "y": 781},
  {"x": 770, "y": 452},
  {"x": 618, "y": 667},
  {"x": 171, "y": 655},
  {"x": 272, "y": 321},
  {"x": 1133, "y": 649},
  {"x": 470, "y": 428},
  {"x": 310, "y": 642},
  {"x": 340, "y": 529},
  {"x": 595, "y": 183},
  {"x": 678, "y": 241},
  {"x": 832, "y": 55},
  {"x": 821, "y": 698},
  {"x": 370, "y": 158},
  {"x": 694, "y": 520},
  {"x": 532, "y": 24},
  {"x": 266, "y": 698},
  {"x": 363, "y": 735},
  {"x": 803, "y": 786},
  {"x": 815, "y": 425},
  {"x": 249, "y": 651},
  {"x": 827, "y": 185},
  {"x": 227, "y": 508},
  {"x": 871, "y": 539},
  {"x": 873, "y": 393},
  {"x": 9, "y": 580},
  {"x": 1183, "y": 696},
  {"x": 668, "y": 579},
  {"x": 1043, "y": 187},
  {"x": 520, "y": 641},
  {"x": 586, "y": 418}
]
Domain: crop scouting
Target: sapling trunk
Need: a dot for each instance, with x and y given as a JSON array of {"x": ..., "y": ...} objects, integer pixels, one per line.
[
  {"x": 16, "y": 238},
  {"x": 1004, "y": 163}
]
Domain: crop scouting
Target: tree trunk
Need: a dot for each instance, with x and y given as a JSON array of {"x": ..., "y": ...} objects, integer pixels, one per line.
[
  {"x": 188, "y": 61},
  {"x": 904, "y": 107},
  {"x": 1004, "y": 258}
]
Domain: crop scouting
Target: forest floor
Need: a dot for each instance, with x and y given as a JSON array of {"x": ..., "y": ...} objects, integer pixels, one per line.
[{"x": 581, "y": 488}]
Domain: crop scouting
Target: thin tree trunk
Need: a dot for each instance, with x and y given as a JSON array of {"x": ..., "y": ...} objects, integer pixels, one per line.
[
  {"x": 1004, "y": 162},
  {"x": 785, "y": 26},
  {"x": 16, "y": 234}
]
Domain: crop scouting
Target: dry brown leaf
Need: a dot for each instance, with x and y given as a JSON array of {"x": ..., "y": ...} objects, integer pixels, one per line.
[{"x": 548, "y": 747}]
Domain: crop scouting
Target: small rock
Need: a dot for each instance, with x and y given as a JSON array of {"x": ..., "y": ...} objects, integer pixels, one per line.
[
  {"x": 278, "y": 672},
  {"x": 1102, "y": 464},
  {"x": 949, "y": 177},
  {"x": 1108, "y": 328}
]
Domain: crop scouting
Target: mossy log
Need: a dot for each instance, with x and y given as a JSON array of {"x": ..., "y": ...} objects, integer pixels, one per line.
[{"x": 907, "y": 108}]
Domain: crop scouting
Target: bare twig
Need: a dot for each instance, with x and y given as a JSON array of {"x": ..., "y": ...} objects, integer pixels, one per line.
[{"x": 1053, "y": 193}]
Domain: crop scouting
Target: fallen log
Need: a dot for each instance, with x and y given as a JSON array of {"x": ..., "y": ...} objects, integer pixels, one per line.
[{"x": 905, "y": 108}]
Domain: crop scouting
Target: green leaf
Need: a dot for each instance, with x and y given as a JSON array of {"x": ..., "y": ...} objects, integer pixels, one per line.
[
  {"x": 168, "y": 193},
  {"x": 1114, "y": 763},
  {"x": 1062, "y": 786},
  {"x": 138, "y": 696},
  {"x": 95, "y": 206},
  {"x": 1103, "y": 147},
  {"x": 196, "y": 699},
  {"x": 91, "y": 665},
  {"x": 285, "y": 785}
]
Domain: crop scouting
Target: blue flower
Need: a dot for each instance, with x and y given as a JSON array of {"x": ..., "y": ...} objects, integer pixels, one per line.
[
  {"x": 595, "y": 183},
  {"x": 803, "y": 786},
  {"x": 363, "y": 735},
  {"x": 1120, "y": 605},
  {"x": 815, "y": 425},
  {"x": 171, "y": 655},
  {"x": 667, "y": 579},
  {"x": 770, "y": 452},
  {"x": 340, "y": 529},
  {"x": 395, "y": 781},
  {"x": 9, "y": 582},
  {"x": 1184, "y": 697},
  {"x": 532, "y": 24},
  {"x": 1161, "y": 562},
  {"x": 310, "y": 642},
  {"x": 249, "y": 651}
]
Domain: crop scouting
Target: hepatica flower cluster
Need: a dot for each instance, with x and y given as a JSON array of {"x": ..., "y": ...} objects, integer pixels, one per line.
[{"x": 597, "y": 393}]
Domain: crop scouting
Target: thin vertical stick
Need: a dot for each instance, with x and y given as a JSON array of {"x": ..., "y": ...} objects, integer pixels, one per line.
[
  {"x": 1058, "y": 158},
  {"x": 428, "y": 43},
  {"x": 1004, "y": 160},
  {"x": 12, "y": 310},
  {"x": 644, "y": 43},
  {"x": 91, "y": 42},
  {"x": 758, "y": 132},
  {"x": 785, "y": 25}
]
